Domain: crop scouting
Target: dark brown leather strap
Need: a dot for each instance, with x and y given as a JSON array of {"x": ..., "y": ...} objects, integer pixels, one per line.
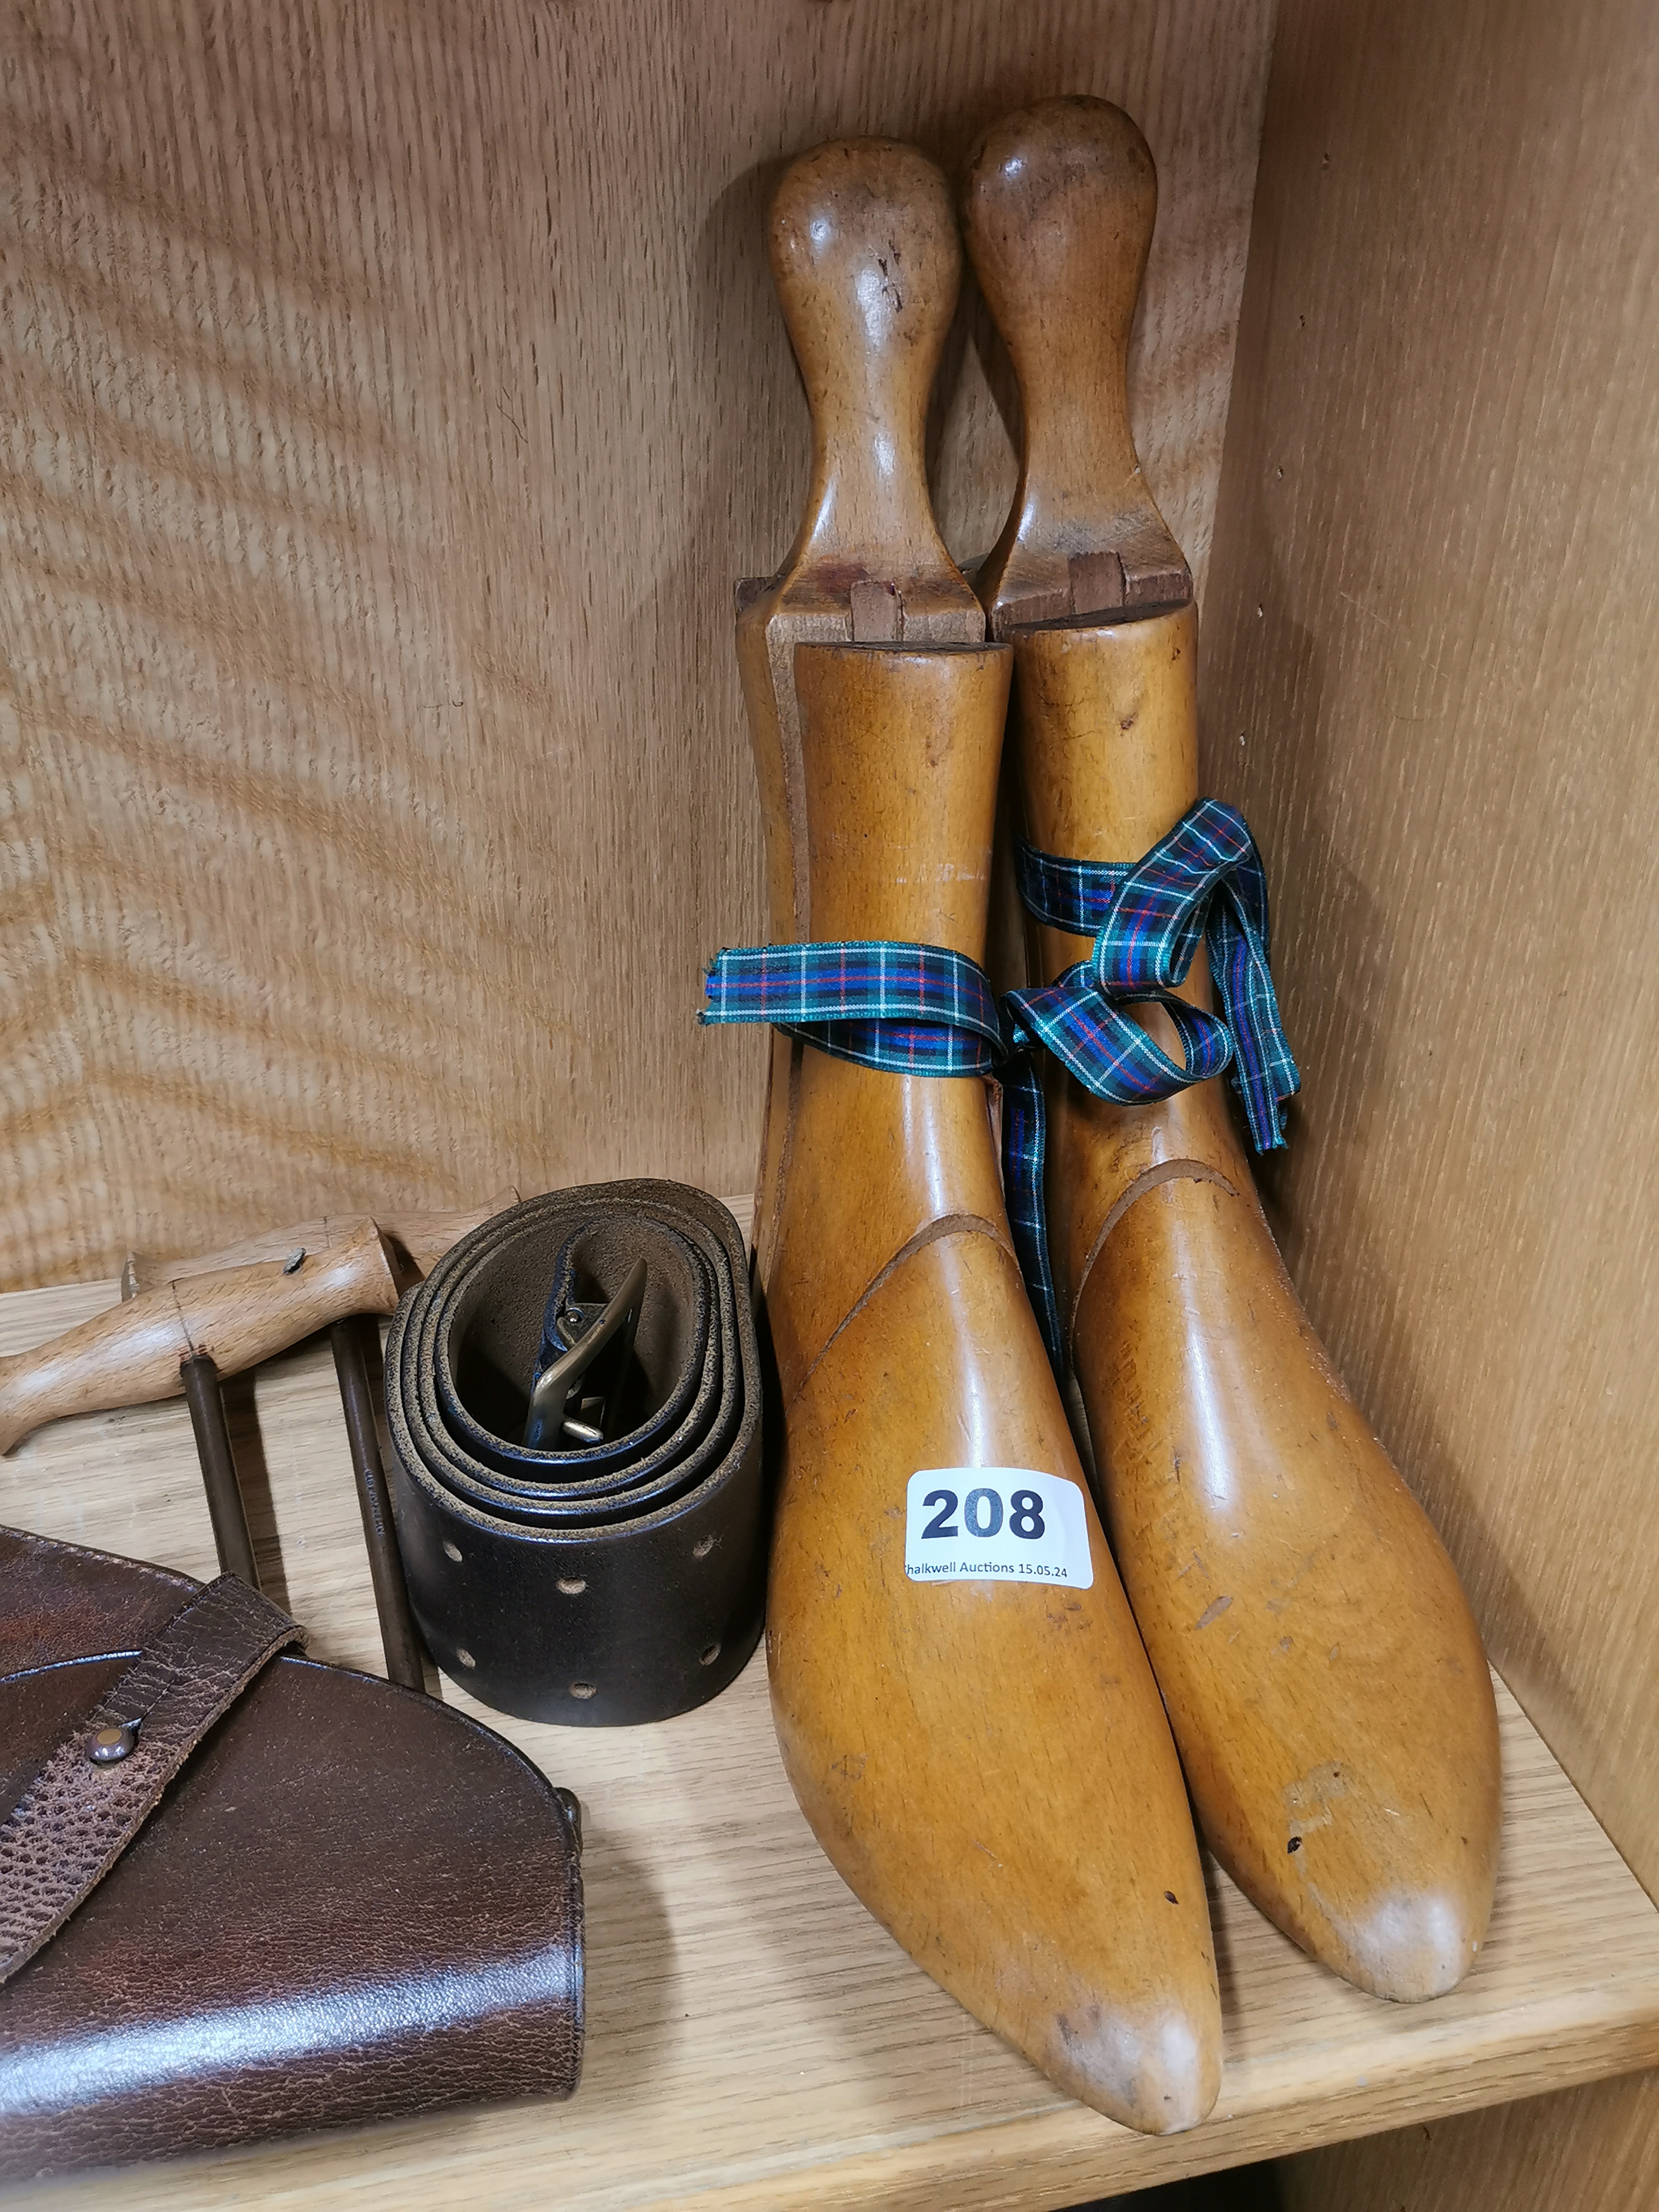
[
  {"x": 603, "y": 1582},
  {"x": 105, "y": 1780}
]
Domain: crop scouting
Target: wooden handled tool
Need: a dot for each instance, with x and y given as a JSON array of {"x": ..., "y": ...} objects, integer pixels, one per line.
[
  {"x": 986, "y": 1763},
  {"x": 867, "y": 265},
  {"x": 1322, "y": 1672},
  {"x": 418, "y": 1240},
  {"x": 132, "y": 1355},
  {"x": 422, "y": 1238}
]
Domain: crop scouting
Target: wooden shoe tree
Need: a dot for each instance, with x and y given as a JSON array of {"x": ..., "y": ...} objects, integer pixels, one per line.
[
  {"x": 1321, "y": 1666},
  {"x": 986, "y": 1764},
  {"x": 867, "y": 266}
]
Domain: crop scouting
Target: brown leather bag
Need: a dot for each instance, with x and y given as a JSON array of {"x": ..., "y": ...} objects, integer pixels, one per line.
[{"x": 244, "y": 1894}]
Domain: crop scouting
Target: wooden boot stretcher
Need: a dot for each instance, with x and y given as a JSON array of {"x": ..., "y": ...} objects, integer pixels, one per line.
[
  {"x": 1321, "y": 1669},
  {"x": 988, "y": 1767},
  {"x": 184, "y": 1325},
  {"x": 867, "y": 266}
]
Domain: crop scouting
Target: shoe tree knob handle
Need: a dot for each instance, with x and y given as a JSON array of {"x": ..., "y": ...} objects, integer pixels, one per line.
[
  {"x": 1058, "y": 206},
  {"x": 867, "y": 265}
]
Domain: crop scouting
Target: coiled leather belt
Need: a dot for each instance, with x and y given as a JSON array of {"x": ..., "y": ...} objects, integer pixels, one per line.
[{"x": 614, "y": 1582}]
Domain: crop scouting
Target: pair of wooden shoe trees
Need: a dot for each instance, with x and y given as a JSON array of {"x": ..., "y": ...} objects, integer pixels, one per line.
[{"x": 990, "y": 1765}]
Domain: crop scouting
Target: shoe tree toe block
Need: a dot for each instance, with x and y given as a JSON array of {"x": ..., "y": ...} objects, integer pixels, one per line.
[
  {"x": 987, "y": 1767},
  {"x": 1322, "y": 1671}
]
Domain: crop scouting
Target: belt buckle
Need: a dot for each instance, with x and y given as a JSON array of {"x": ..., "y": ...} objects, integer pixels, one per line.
[{"x": 604, "y": 1330}]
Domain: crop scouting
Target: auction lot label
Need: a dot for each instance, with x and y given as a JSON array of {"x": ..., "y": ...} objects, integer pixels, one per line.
[{"x": 999, "y": 1524}]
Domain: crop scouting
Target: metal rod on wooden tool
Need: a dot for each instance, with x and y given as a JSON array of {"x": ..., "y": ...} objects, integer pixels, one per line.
[
  {"x": 206, "y": 1401},
  {"x": 130, "y": 1355},
  {"x": 398, "y": 1634}
]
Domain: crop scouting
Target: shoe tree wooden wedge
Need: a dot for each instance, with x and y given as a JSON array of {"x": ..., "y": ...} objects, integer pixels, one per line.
[
  {"x": 867, "y": 265},
  {"x": 1321, "y": 1669},
  {"x": 988, "y": 1766}
]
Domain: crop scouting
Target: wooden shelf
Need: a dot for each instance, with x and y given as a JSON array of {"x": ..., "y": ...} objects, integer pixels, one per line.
[{"x": 755, "y": 2040}]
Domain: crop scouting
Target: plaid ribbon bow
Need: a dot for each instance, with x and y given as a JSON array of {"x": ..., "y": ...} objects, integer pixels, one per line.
[
  {"x": 926, "y": 1010},
  {"x": 1204, "y": 881}
]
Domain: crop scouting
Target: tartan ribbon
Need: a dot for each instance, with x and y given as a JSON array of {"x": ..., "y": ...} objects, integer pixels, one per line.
[
  {"x": 910, "y": 1010},
  {"x": 1202, "y": 883},
  {"x": 926, "y": 1010}
]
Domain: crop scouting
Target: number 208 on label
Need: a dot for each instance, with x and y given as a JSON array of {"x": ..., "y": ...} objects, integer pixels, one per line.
[{"x": 1003, "y": 1524}]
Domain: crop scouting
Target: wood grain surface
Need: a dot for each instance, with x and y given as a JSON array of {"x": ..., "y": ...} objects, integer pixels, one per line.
[
  {"x": 1333, "y": 1718},
  {"x": 1594, "y": 2149},
  {"x": 755, "y": 2041},
  {"x": 1058, "y": 211},
  {"x": 989, "y": 1767},
  {"x": 389, "y": 396},
  {"x": 414, "y": 1240},
  {"x": 1432, "y": 649}
]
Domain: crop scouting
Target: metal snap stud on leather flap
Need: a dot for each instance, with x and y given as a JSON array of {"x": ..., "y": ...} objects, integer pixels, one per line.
[{"x": 110, "y": 1744}]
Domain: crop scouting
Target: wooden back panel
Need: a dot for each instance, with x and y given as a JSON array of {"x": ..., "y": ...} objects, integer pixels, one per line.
[
  {"x": 392, "y": 401},
  {"x": 1431, "y": 663}
]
